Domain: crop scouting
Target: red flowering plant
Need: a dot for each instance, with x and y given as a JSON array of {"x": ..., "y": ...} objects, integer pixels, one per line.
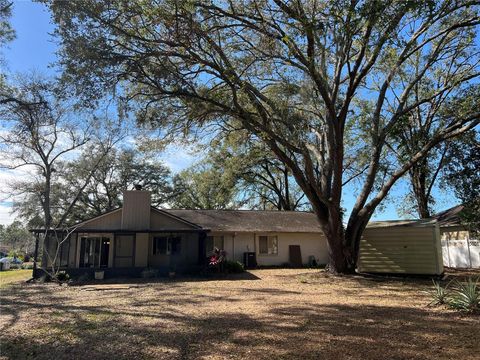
[{"x": 217, "y": 258}]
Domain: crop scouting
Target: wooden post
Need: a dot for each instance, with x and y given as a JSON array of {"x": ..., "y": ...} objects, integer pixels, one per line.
[
  {"x": 35, "y": 256},
  {"x": 469, "y": 253}
]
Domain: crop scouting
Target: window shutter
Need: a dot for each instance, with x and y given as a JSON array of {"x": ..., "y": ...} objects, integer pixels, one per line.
[{"x": 263, "y": 244}]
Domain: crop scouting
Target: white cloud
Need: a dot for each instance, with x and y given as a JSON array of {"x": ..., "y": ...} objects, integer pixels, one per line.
[
  {"x": 6, "y": 198},
  {"x": 6, "y": 217},
  {"x": 178, "y": 158}
]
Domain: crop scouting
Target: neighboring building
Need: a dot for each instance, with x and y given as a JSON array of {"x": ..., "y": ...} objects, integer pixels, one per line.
[
  {"x": 460, "y": 246},
  {"x": 451, "y": 226},
  {"x": 4, "y": 250}
]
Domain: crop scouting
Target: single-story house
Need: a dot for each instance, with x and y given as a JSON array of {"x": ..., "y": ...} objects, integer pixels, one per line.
[
  {"x": 451, "y": 226},
  {"x": 138, "y": 236}
]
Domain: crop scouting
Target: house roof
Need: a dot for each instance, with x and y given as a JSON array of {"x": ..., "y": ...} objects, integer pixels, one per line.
[
  {"x": 250, "y": 220},
  {"x": 263, "y": 220},
  {"x": 449, "y": 217}
]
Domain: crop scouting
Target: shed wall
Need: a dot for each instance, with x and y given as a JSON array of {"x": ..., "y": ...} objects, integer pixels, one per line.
[{"x": 404, "y": 250}]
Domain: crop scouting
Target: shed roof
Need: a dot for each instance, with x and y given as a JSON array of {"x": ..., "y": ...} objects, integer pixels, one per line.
[
  {"x": 404, "y": 223},
  {"x": 250, "y": 220},
  {"x": 449, "y": 217}
]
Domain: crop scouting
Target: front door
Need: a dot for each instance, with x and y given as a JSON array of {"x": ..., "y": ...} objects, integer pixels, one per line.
[{"x": 105, "y": 252}]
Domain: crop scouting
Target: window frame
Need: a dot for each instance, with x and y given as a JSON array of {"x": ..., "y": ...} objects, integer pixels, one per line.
[
  {"x": 116, "y": 242},
  {"x": 274, "y": 239},
  {"x": 168, "y": 246},
  {"x": 210, "y": 251}
]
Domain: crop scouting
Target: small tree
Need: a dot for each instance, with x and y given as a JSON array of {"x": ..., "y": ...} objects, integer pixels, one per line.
[{"x": 17, "y": 237}]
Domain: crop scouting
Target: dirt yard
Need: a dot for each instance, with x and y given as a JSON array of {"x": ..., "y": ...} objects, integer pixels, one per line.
[{"x": 265, "y": 314}]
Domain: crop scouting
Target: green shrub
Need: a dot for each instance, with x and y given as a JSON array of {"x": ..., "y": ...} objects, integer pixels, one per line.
[
  {"x": 149, "y": 273},
  {"x": 465, "y": 296},
  {"x": 439, "y": 294},
  {"x": 233, "y": 267},
  {"x": 84, "y": 277},
  {"x": 63, "y": 276}
]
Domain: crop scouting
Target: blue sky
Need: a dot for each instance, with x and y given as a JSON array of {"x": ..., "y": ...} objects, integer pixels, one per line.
[{"x": 34, "y": 49}]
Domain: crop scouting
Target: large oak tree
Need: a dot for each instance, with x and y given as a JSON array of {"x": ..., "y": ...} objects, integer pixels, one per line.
[{"x": 304, "y": 77}]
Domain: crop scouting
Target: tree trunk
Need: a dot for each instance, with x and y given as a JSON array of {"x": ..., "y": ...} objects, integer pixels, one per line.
[
  {"x": 35, "y": 257},
  {"x": 342, "y": 257},
  {"x": 419, "y": 186},
  {"x": 47, "y": 213}
]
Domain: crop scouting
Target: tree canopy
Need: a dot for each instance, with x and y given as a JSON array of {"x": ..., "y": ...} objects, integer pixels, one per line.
[
  {"x": 304, "y": 78},
  {"x": 121, "y": 169},
  {"x": 463, "y": 175}
]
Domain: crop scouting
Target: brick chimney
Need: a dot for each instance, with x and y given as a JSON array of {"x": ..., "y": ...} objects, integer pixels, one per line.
[{"x": 136, "y": 210}]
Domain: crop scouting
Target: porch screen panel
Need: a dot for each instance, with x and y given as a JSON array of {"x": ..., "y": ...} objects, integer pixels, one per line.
[
  {"x": 64, "y": 252},
  {"x": 124, "y": 250}
]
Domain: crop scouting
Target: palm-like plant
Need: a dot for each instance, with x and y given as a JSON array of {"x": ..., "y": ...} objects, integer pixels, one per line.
[
  {"x": 439, "y": 294},
  {"x": 466, "y": 296}
]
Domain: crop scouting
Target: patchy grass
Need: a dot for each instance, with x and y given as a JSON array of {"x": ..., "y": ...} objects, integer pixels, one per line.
[
  {"x": 275, "y": 313},
  {"x": 14, "y": 276}
]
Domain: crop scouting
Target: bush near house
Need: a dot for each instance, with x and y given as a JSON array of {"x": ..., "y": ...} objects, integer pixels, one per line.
[{"x": 233, "y": 267}]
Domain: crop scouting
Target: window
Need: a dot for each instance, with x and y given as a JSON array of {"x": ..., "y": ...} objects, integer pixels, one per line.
[
  {"x": 94, "y": 252},
  {"x": 160, "y": 245},
  {"x": 213, "y": 242},
  {"x": 268, "y": 245},
  {"x": 167, "y": 245}
]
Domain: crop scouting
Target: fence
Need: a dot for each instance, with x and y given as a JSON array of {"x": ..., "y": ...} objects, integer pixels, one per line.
[{"x": 463, "y": 254}]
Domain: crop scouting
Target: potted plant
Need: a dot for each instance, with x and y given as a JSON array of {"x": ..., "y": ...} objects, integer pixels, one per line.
[
  {"x": 99, "y": 274},
  {"x": 217, "y": 259},
  {"x": 172, "y": 271}
]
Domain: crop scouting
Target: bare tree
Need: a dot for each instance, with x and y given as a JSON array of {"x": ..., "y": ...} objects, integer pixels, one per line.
[{"x": 39, "y": 132}]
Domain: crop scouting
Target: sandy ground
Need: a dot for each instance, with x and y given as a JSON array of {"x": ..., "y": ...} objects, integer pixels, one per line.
[{"x": 264, "y": 314}]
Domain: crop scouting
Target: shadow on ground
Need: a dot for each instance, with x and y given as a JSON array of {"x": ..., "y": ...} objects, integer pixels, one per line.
[{"x": 174, "y": 320}]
